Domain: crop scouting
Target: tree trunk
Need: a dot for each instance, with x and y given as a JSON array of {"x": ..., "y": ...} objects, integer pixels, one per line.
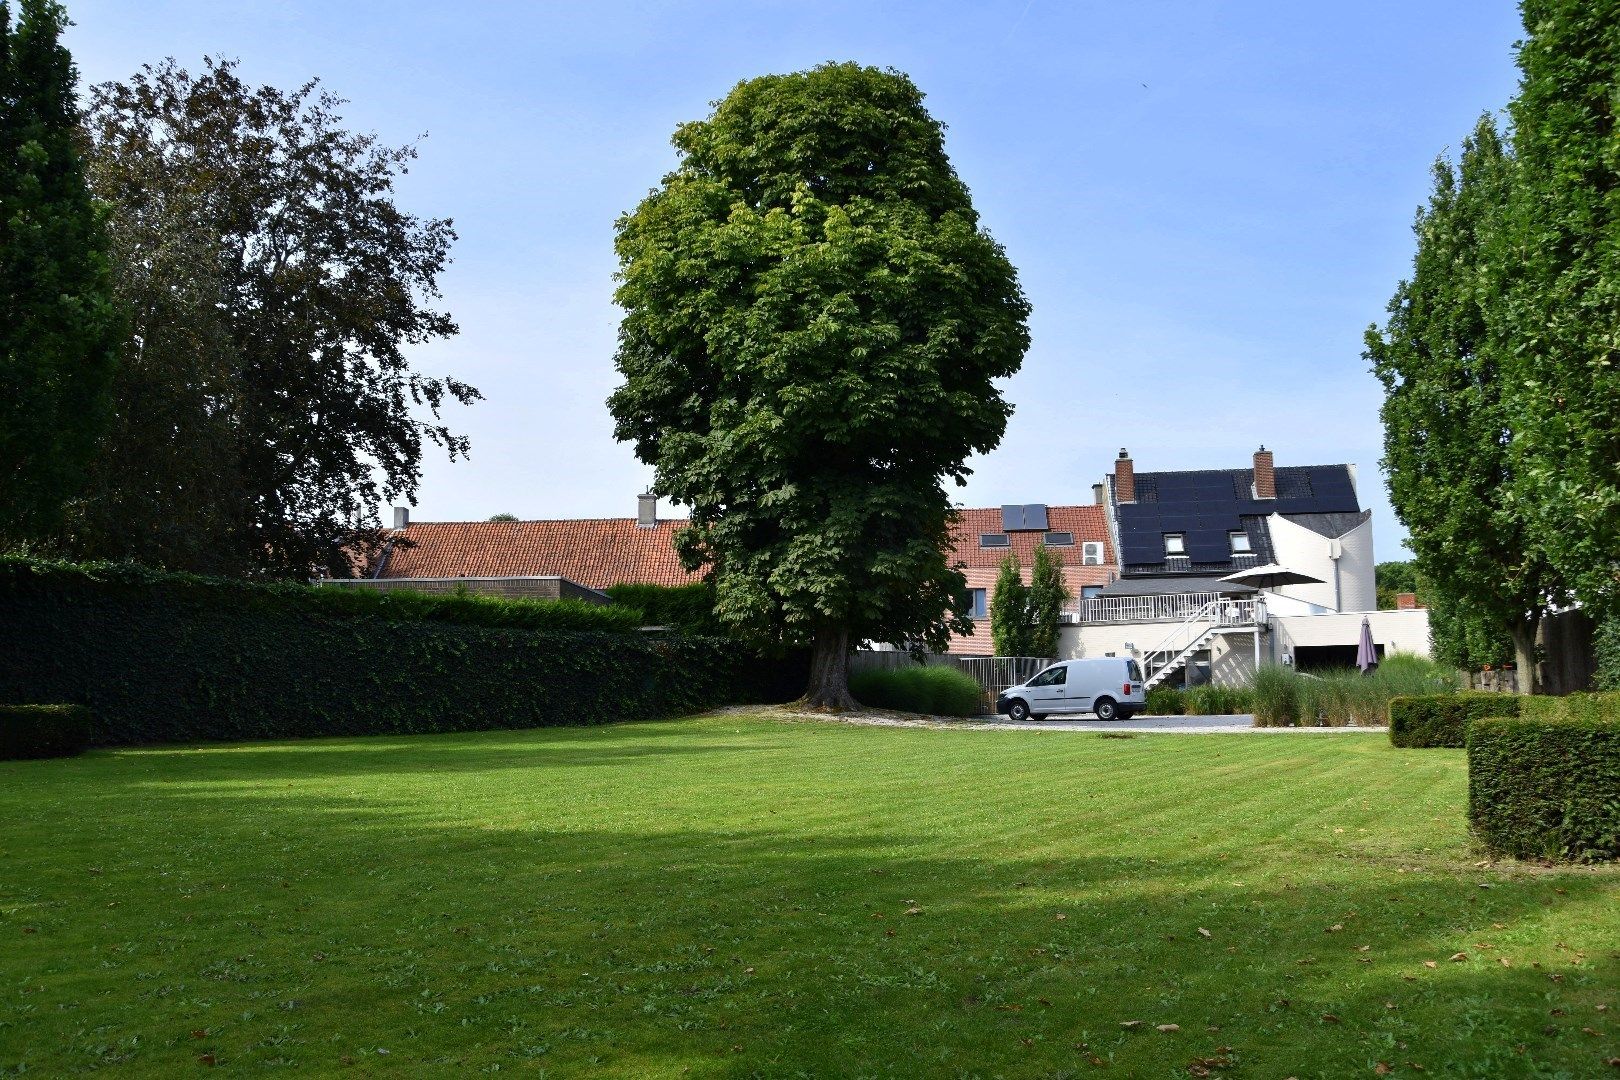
[
  {"x": 1524, "y": 656},
  {"x": 829, "y": 669}
]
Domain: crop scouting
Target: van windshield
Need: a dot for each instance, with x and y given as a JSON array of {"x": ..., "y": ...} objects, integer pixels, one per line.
[{"x": 1134, "y": 672}]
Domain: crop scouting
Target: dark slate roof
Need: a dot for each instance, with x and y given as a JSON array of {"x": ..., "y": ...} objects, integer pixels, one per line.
[
  {"x": 1182, "y": 584},
  {"x": 1208, "y": 504},
  {"x": 1332, "y": 525}
]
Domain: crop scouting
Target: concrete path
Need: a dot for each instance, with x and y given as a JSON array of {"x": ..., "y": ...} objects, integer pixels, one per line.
[{"x": 1180, "y": 725}]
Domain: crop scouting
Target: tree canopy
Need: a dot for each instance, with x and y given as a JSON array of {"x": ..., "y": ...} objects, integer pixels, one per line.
[
  {"x": 1449, "y": 417},
  {"x": 267, "y": 405},
  {"x": 59, "y": 327},
  {"x": 813, "y": 323},
  {"x": 1009, "y": 610}
]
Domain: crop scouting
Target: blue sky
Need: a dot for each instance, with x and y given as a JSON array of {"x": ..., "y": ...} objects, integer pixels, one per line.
[{"x": 1207, "y": 201}]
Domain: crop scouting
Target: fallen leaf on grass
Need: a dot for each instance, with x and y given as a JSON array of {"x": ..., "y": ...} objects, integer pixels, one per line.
[
  {"x": 912, "y": 911},
  {"x": 1130, "y": 1025},
  {"x": 1335, "y": 928},
  {"x": 1060, "y": 916},
  {"x": 207, "y": 1059},
  {"x": 1329, "y": 1018},
  {"x": 1430, "y": 964},
  {"x": 1169, "y": 1028},
  {"x": 1382, "y": 1069},
  {"x": 1204, "y": 933},
  {"x": 1459, "y": 957}
]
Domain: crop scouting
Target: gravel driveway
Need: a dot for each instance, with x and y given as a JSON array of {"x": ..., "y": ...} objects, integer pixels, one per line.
[{"x": 1181, "y": 725}]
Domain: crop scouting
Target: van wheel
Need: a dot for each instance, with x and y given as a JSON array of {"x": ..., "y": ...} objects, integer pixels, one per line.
[
  {"x": 1018, "y": 711},
  {"x": 1106, "y": 709}
]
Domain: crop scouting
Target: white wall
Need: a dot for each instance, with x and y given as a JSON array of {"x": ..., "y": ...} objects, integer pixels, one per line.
[
  {"x": 1347, "y": 583},
  {"x": 1396, "y": 631}
]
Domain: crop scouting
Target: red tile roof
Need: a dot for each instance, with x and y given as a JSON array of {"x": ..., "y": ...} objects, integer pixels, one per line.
[
  {"x": 1087, "y": 523},
  {"x": 595, "y": 552},
  {"x": 598, "y": 552}
]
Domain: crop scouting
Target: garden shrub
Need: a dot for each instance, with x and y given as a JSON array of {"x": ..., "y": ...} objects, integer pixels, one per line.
[
  {"x": 43, "y": 731},
  {"x": 162, "y": 658},
  {"x": 21, "y": 576},
  {"x": 688, "y": 609},
  {"x": 1276, "y": 696},
  {"x": 1548, "y": 785},
  {"x": 1165, "y": 701},
  {"x": 938, "y": 690},
  {"x": 1212, "y": 700},
  {"x": 1441, "y": 720}
]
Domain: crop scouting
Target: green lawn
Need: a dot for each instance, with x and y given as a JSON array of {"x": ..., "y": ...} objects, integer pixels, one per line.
[{"x": 736, "y": 896}]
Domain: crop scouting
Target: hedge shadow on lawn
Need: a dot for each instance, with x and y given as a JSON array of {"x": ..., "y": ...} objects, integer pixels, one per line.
[{"x": 510, "y": 913}]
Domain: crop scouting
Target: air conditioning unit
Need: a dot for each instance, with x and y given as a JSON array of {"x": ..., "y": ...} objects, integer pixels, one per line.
[
  {"x": 1091, "y": 554},
  {"x": 1068, "y": 618}
]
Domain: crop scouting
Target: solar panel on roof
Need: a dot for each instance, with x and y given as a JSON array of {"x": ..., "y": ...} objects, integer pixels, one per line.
[
  {"x": 1012, "y": 518},
  {"x": 1035, "y": 516}
]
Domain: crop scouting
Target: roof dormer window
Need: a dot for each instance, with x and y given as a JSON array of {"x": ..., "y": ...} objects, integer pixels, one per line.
[{"x": 1175, "y": 544}]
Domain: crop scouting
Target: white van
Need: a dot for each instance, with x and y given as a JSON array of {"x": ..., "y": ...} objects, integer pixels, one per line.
[{"x": 1108, "y": 686}]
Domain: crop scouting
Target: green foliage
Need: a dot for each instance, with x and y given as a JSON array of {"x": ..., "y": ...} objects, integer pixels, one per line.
[
  {"x": 1561, "y": 305},
  {"x": 1164, "y": 701},
  {"x": 1009, "y": 610},
  {"x": 686, "y": 608},
  {"x": 23, "y": 576},
  {"x": 267, "y": 402},
  {"x": 1450, "y": 420},
  {"x": 1284, "y": 697},
  {"x": 503, "y": 517},
  {"x": 1276, "y": 696},
  {"x": 1393, "y": 578},
  {"x": 1548, "y": 787},
  {"x": 1441, "y": 720},
  {"x": 1606, "y": 654},
  {"x": 43, "y": 731},
  {"x": 59, "y": 327},
  {"x": 160, "y": 658},
  {"x": 1046, "y": 597},
  {"x": 814, "y": 323},
  {"x": 1212, "y": 700},
  {"x": 933, "y": 689}
]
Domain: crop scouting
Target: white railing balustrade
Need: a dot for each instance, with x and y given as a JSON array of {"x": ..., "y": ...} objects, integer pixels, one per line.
[{"x": 1172, "y": 607}]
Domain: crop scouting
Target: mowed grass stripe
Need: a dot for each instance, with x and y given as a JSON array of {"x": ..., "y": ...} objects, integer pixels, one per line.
[{"x": 729, "y": 896}]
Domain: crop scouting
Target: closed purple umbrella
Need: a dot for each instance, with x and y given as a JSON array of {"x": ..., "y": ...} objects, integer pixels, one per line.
[{"x": 1366, "y": 654}]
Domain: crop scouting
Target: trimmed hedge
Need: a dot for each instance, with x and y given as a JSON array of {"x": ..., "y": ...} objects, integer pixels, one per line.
[
  {"x": 43, "y": 731},
  {"x": 1541, "y": 786},
  {"x": 940, "y": 691},
  {"x": 1441, "y": 720},
  {"x": 21, "y": 576},
  {"x": 162, "y": 658},
  {"x": 686, "y": 608}
]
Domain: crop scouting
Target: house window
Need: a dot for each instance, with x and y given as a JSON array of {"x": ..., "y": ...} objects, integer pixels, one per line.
[
  {"x": 1060, "y": 539},
  {"x": 980, "y": 603},
  {"x": 1090, "y": 592},
  {"x": 993, "y": 540},
  {"x": 1091, "y": 554},
  {"x": 1175, "y": 543},
  {"x": 1240, "y": 543}
]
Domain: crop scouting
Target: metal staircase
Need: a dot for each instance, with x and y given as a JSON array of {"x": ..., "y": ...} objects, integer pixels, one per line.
[{"x": 1195, "y": 632}]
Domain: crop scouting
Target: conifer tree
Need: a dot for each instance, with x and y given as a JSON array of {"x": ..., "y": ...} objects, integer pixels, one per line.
[
  {"x": 1047, "y": 595},
  {"x": 59, "y": 331},
  {"x": 1009, "y": 610}
]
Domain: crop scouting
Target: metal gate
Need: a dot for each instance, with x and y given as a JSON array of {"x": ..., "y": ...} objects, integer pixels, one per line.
[{"x": 993, "y": 673}]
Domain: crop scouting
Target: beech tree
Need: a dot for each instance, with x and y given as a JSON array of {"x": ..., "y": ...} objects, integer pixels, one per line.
[
  {"x": 1449, "y": 419},
  {"x": 266, "y": 405},
  {"x": 813, "y": 323},
  {"x": 59, "y": 328}
]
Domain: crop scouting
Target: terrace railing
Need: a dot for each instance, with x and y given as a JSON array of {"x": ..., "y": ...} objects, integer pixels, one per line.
[{"x": 1172, "y": 607}]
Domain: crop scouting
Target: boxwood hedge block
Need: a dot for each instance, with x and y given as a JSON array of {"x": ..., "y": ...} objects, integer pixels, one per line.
[
  {"x": 43, "y": 731},
  {"x": 1541, "y": 787},
  {"x": 1441, "y": 720}
]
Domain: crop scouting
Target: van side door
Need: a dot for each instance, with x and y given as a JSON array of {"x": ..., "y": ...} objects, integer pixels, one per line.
[{"x": 1047, "y": 690}]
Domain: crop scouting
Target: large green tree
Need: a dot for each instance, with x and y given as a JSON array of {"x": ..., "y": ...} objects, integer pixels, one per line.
[
  {"x": 1449, "y": 423},
  {"x": 267, "y": 404},
  {"x": 1562, "y": 308},
  {"x": 1009, "y": 610},
  {"x": 59, "y": 329},
  {"x": 813, "y": 323}
]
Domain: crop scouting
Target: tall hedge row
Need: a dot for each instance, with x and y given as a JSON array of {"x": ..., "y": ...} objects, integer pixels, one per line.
[
  {"x": 1547, "y": 785},
  {"x": 161, "y": 658},
  {"x": 1441, "y": 720}
]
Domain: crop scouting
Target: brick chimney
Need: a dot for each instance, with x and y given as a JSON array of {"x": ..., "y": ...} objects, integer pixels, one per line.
[
  {"x": 1265, "y": 475},
  {"x": 646, "y": 511},
  {"x": 1406, "y": 601},
  {"x": 1125, "y": 477}
]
